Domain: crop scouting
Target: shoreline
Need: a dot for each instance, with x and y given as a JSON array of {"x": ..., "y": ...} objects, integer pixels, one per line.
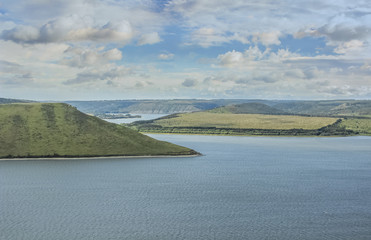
[
  {"x": 94, "y": 158},
  {"x": 246, "y": 135}
]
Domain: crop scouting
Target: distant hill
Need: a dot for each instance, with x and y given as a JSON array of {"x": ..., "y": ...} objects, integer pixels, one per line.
[
  {"x": 223, "y": 123},
  {"x": 325, "y": 108},
  {"x": 153, "y": 106},
  {"x": 293, "y": 107},
  {"x": 248, "y": 108},
  {"x": 9, "y": 100},
  {"x": 60, "y": 130}
]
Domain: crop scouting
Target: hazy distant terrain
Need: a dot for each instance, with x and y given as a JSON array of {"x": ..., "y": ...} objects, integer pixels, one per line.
[
  {"x": 260, "y": 119},
  {"x": 334, "y": 108},
  {"x": 242, "y": 116},
  {"x": 9, "y": 100},
  {"x": 317, "y": 108},
  {"x": 60, "y": 130},
  {"x": 154, "y": 106}
]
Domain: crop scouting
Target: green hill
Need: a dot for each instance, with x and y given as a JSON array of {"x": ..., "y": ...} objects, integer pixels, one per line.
[
  {"x": 59, "y": 130},
  {"x": 254, "y": 106},
  {"x": 327, "y": 108},
  {"x": 248, "y": 108},
  {"x": 152, "y": 106},
  {"x": 246, "y": 124}
]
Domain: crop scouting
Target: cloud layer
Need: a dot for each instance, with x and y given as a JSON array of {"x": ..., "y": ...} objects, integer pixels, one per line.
[{"x": 301, "y": 49}]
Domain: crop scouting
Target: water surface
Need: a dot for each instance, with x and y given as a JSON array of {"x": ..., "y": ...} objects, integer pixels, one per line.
[
  {"x": 130, "y": 120},
  {"x": 242, "y": 188}
]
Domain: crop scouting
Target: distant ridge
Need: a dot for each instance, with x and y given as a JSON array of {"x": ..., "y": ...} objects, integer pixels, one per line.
[
  {"x": 248, "y": 108},
  {"x": 60, "y": 130},
  {"x": 327, "y": 108},
  {"x": 10, "y": 100},
  {"x": 170, "y": 106}
]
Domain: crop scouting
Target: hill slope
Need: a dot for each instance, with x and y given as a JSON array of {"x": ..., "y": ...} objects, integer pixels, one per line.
[
  {"x": 248, "y": 108},
  {"x": 315, "y": 108},
  {"x": 152, "y": 106},
  {"x": 326, "y": 108},
  {"x": 244, "y": 124},
  {"x": 57, "y": 129}
]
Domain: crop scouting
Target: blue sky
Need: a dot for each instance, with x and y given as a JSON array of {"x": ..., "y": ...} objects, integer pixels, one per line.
[{"x": 110, "y": 49}]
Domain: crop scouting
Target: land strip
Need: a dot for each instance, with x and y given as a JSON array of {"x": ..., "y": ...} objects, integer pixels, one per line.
[{"x": 252, "y": 125}]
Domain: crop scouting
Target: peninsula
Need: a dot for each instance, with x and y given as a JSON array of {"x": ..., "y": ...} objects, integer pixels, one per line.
[
  {"x": 258, "y": 119},
  {"x": 43, "y": 130}
]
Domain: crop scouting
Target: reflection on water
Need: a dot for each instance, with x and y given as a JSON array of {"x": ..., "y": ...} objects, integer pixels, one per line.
[
  {"x": 130, "y": 120},
  {"x": 241, "y": 188}
]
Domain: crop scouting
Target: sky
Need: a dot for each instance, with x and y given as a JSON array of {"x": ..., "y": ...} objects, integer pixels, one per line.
[{"x": 165, "y": 49}]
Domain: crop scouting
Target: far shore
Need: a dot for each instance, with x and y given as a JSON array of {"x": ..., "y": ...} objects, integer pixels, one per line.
[
  {"x": 92, "y": 158},
  {"x": 246, "y": 135}
]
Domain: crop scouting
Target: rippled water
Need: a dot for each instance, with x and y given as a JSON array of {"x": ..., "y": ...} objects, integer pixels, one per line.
[
  {"x": 143, "y": 117},
  {"x": 242, "y": 188}
]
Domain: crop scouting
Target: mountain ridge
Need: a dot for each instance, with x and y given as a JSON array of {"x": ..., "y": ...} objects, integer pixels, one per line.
[{"x": 292, "y": 107}]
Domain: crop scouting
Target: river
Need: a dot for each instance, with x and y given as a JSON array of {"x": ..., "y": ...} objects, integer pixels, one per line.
[{"x": 241, "y": 188}]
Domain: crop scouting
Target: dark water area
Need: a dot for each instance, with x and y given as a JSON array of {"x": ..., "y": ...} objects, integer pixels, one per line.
[{"x": 241, "y": 188}]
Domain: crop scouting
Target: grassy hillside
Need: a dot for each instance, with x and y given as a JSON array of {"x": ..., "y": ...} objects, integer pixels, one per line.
[
  {"x": 57, "y": 129},
  {"x": 359, "y": 125},
  {"x": 248, "y": 108},
  {"x": 257, "y": 121},
  {"x": 154, "y": 106},
  {"x": 326, "y": 108},
  {"x": 244, "y": 124},
  {"x": 315, "y": 108}
]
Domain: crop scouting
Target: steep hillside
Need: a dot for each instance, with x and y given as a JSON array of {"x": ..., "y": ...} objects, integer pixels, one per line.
[
  {"x": 248, "y": 108},
  {"x": 57, "y": 129}
]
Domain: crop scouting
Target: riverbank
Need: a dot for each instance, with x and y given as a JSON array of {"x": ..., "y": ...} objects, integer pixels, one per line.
[{"x": 101, "y": 157}]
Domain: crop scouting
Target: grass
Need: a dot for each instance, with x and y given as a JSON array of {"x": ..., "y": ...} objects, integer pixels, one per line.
[
  {"x": 248, "y": 108},
  {"x": 244, "y": 124},
  {"x": 59, "y": 130},
  {"x": 361, "y": 125},
  {"x": 251, "y": 121}
]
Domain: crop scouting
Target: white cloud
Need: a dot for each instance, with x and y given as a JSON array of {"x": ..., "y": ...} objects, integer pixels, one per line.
[
  {"x": 149, "y": 38},
  {"x": 267, "y": 21},
  {"x": 108, "y": 74},
  {"x": 79, "y": 43},
  {"x": 70, "y": 30},
  {"x": 79, "y": 57},
  {"x": 21, "y": 34},
  {"x": 165, "y": 56},
  {"x": 207, "y": 37},
  {"x": 230, "y": 58},
  {"x": 268, "y": 38},
  {"x": 189, "y": 82},
  {"x": 253, "y": 56},
  {"x": 111, "y": 32},
  {"x": 353, "y": 46},
  {"x": 14, "y": 74},
  {"x": 6, "y": 25},
  {"x": 366, "y": 66}
]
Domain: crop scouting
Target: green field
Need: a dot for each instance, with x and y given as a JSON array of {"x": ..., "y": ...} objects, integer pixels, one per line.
[
  {"x": 255, "y": 121},
  {"x": 59, "y": 130},
  {"x": 362, "y": 126},
  {"x": 244, "y": 124}
]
